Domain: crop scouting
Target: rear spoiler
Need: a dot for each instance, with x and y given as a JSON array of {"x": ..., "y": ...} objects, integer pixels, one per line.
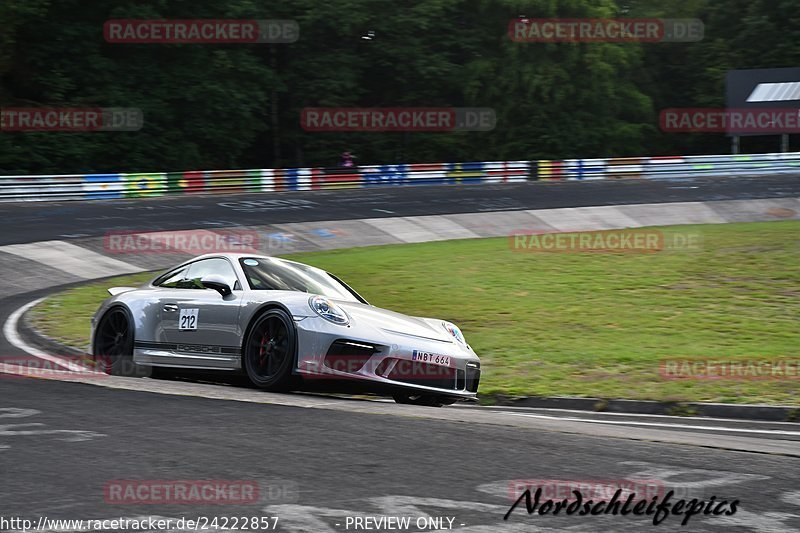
[{"x": 113, "y": 291}]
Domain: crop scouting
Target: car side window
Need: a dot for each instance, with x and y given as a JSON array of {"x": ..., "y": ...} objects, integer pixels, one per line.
[
  {"x": 218, "y": 266},
  {"x": 172, "y": 280}
]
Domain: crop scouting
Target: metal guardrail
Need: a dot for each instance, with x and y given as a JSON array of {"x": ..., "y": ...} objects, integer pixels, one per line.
[
  {"x": 671, "y": 167},
  {"x": 137, "y": 185}
]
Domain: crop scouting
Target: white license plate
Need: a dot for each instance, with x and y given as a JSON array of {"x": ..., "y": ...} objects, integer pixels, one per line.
[{"x": 431, "y": 358}]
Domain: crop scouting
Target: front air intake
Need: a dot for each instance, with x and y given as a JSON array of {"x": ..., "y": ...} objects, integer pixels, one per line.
[
  {"x": 349, "y": 356},
  {"x": 473, "y": 376}
]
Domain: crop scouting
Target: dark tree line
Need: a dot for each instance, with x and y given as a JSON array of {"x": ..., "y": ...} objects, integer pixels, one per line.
[{"x": 238, "y": 105}]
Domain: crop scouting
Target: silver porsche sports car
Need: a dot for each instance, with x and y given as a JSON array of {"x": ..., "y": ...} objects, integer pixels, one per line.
[{"x": 280, "y": 322}]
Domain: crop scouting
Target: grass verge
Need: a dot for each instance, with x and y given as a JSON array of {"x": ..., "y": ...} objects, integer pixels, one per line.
[{"x": 574, "y": 324}]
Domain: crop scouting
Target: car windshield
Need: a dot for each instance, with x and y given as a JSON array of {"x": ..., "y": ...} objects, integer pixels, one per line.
[{"x": 271, "y": 274}]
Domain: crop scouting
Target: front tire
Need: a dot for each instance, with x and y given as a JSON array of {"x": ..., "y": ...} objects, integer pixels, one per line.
[
  {"x": 427, "y": 400},
  {"x": 113, "y": 345},
  {"x": 269, "y": 351}
]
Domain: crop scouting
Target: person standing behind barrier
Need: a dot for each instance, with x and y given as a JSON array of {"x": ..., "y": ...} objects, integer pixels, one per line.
[{"x": 348, "y": 160}]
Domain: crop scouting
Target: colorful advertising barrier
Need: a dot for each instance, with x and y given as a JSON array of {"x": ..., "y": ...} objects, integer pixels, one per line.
[{"x": 142, "y": 185}]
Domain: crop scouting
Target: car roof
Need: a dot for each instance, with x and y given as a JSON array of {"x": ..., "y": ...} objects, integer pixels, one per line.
[{"x": 236, "y": 256}]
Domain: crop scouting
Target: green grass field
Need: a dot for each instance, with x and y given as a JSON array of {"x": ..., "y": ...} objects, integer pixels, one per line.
[{"x": 576, "y": 324}]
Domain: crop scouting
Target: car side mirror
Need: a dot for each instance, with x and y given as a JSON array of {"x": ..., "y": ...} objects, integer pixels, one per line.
[{"x": 216, "y": 282}]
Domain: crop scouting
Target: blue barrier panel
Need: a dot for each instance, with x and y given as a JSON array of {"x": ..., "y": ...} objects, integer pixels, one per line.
[
  {"x": 290, "y": 179},
  {"x": 103, "y": 186},
  {"x": 383, "y": 175}
]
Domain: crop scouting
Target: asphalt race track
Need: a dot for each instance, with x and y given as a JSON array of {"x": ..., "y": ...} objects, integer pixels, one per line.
[
  {"x": 39, "y": 221},
  {"x": 317, "y": 467},
  {"x": 321, "y": 462}
]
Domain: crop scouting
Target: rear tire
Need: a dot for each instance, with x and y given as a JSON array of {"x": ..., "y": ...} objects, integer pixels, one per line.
[
  {"x": 268, "y": 352},
  {"x": 113, "y": 345},
  {"x": 427, "y": 400}
]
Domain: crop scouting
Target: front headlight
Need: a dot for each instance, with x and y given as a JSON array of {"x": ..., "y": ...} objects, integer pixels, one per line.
[
  {"x": 327, "y": 309},
  {"x": 455, "y": 332}
]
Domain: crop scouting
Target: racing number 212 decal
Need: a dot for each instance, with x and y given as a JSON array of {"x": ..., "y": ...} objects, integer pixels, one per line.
[{"x": 188, "y": 319}]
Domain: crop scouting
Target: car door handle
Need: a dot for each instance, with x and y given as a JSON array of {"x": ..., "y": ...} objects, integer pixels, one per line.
[{"x": 170, "y": 308}]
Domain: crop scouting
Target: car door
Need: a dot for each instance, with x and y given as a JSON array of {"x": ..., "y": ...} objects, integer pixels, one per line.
[{"x": 201, "y": 325}]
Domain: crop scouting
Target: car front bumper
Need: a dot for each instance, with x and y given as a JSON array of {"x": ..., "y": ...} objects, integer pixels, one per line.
[{"x": 332, "y": 352}]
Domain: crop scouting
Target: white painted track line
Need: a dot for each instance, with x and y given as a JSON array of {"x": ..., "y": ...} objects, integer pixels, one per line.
[
  {"x": 659, "y": 424},
  {"x": 613, "y": 413},
  {"x": 10, "y": 331}
]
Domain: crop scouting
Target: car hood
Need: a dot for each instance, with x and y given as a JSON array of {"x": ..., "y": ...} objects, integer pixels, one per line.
[{"x": 397, "y": 323}]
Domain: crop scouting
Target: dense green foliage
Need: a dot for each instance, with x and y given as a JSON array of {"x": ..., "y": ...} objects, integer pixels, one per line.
[{"x": 238, "y": 105}]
